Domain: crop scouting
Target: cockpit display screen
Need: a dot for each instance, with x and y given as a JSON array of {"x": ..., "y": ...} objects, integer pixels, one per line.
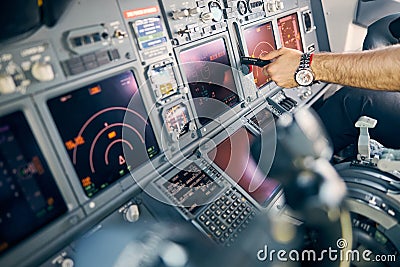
[
  {"x": 29, "y": 196},
  {"x": 260, "y": 41},
  {"x": 192, "y": 188},
  {"x": 210, "y": 78},
  {"x": 105, "y": 130},
  {"x": 233, "y": 156},
  {"x": 289, "y": 32}
]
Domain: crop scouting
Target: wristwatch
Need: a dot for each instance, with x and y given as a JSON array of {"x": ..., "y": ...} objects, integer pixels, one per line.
[{"x": 304, "y": 76}]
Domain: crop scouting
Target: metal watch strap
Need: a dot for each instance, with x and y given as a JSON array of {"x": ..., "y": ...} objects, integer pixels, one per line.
[{"x": 305, "y": 61}]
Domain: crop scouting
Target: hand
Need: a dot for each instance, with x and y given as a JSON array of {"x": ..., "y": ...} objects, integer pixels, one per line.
[{"x": 284, "y": 65}]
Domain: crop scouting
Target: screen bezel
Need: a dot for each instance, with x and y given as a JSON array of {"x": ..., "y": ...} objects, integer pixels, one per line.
[
  {"x": 266, "y": 88},
  {"x": 208, "y": 146},
  {"x": 275, "y": 37},
  {"x": 28, "y": 247},
  {"x": 117, "y": 187},
  {"x": 299, "y": 24},
  {"x": 234, "y": 110}
]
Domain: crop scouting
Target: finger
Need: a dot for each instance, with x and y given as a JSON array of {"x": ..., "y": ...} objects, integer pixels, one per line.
[
  {"x": 272, "y": 54},
  {"x": 265, "y": 70}
]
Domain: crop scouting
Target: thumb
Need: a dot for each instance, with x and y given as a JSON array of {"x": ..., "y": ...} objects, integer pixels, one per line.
[{"x": 272, "y": 54}]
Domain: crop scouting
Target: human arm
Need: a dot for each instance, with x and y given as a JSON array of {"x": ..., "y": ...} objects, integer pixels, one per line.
[{"x": 374, "y": 69}]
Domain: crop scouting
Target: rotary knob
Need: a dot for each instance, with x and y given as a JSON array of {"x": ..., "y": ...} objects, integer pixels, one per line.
[
  {"x": 271, "y": 7},
  {"x": 194, "y": 11},
  {"x": 131, "y": 213},
  {"x": 67, "y": 262},
  {"x": 7, "y": 84},
  {"x": 279, "y": 5},
  {"x": 42, "y": 71},
  {"x": 177, "y": 15}
]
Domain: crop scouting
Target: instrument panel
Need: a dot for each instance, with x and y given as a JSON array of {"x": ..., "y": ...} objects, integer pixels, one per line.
[{"x": 114, "y": 96}]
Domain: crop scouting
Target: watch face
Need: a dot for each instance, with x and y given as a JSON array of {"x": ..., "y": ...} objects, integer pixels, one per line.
[{"x": 304, "y": 77}]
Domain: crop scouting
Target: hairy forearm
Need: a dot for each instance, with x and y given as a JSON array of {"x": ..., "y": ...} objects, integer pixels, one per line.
[{"x": 377, "y": 69}]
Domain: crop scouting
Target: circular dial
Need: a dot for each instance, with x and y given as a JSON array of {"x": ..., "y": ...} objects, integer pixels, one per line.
[
  {"x": 242, "y": 7},
  {"x": 42, "y": 71},
  {"x": 304, "y": 77}
]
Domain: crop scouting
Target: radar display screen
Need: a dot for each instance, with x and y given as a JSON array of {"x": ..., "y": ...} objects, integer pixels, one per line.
[
  {"x": 233, "y": 156},
  {"x": 192, "y": 188},
  {"x": 289, "y": 32},
  {"x": 210, "y": 78},
  {"x": 29, "y": 196},
  {"x": 105, "y": 130},
  {"x": 260, "y": 41}
]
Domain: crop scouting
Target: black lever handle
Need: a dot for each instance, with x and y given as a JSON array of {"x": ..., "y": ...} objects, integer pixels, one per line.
[{"x": 254, "y": 61}]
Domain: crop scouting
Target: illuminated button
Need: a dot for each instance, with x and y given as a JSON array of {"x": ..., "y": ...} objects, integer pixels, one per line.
[{"x": 391, "y": 212}]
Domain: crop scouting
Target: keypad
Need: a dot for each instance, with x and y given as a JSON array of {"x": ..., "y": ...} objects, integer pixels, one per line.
[{"x": 227, "y": 216}]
